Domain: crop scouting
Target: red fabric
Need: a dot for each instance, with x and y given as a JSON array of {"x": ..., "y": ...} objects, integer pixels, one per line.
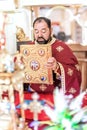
[
  {"x": 41, "y": 116},
  {"x": 84, "y": 102},
  {"x": 28, "y": 96},
  {"x": 72, "y": 75},
  {"x": 69, "y": 62},
  {"x": 72, "y": 82}
]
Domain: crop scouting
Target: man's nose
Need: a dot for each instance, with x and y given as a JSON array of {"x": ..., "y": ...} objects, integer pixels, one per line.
[{"x": 39, "y": 34}]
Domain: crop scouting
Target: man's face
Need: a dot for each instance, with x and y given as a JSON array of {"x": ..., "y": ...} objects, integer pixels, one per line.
[{"x": 42, "y": 33}]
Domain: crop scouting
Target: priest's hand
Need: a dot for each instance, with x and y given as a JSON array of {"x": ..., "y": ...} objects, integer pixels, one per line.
[{"x": 52, "y": 64}]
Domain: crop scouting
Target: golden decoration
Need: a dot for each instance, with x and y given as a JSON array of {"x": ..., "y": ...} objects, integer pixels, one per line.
[{"x": 35, "y": 70}]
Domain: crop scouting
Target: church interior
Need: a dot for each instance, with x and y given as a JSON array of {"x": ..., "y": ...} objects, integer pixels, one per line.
[{"x": 19, "y": 109}]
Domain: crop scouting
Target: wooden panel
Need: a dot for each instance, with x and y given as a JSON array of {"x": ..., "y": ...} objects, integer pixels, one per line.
[
  {"x": 78, "y": 47},
  {"x": 83, "y": 66},
  {"x": 81, "y": 54}
]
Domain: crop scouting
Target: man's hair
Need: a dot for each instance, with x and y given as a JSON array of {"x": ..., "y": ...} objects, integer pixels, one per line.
[{"x": 40, "y": 19}]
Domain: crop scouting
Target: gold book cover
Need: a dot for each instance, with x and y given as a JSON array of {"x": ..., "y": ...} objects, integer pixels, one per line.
[{"x": 35, "y": 58}]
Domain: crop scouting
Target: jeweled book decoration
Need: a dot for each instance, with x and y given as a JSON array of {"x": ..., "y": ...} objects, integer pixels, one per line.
[{"x": 35, "y": 58}]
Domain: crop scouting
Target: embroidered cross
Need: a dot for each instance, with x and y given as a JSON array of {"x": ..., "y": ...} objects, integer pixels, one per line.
[
  {"x": 43, "y": 87},
  {"x": 59, "y": 48},
  {"x": 72, "y": 90}
]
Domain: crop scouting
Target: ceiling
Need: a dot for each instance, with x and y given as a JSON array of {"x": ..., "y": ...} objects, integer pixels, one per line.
[
  {"x": 51, "y": 2},
  {"x": 8, "y": 5}
]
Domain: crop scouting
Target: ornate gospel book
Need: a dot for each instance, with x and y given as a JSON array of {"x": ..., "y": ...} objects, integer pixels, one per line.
[{"x": 35, "y": 58}]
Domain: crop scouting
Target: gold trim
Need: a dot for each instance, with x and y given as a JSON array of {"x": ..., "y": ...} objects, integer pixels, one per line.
[{"x": 62, "y": 77}]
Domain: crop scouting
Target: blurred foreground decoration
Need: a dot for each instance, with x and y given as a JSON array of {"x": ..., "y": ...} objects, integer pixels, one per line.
[
  {"x": 68, "y": 113},
  {"x": 11, "y": 78},
  {"x": 3, "y": 17}
]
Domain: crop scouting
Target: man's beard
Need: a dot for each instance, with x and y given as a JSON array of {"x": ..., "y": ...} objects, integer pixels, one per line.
[{"x": 44, "y": 40}]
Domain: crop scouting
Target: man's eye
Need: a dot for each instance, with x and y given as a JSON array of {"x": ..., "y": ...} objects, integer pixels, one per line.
[
  {"x": 36, "y": 31},
  {"x": 43, "y": 31}
]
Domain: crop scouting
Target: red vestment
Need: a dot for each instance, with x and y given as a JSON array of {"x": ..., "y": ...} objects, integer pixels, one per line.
[
  {"x": 70, "y": 75},
  {"x": 69, "y": 78}
]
